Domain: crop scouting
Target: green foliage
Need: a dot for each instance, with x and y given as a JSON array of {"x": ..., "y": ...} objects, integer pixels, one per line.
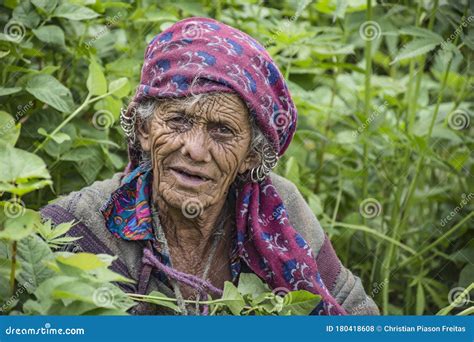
[
  {"x": 382, "y": 153},
  {"x": 250, "y": 297},
  {"x": 38, "y": 279}
]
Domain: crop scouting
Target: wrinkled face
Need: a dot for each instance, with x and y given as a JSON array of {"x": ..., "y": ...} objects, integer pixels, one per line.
[{"x": 197, "y": 150}]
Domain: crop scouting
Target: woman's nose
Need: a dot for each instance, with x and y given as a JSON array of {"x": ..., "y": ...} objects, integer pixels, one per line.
[{"x": 196, "y": 146}]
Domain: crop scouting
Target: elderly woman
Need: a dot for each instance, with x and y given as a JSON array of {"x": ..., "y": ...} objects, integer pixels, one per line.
[{"x": 198, "y": 203}]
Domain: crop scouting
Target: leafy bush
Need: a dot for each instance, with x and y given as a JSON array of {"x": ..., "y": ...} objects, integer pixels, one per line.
[{"x": 383, "y": 148}]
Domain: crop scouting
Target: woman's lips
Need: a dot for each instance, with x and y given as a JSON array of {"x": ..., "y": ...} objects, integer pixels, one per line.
[{"x": 189, "y": 178}]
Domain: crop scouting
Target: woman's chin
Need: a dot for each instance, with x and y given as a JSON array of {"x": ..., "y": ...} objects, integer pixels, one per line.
[{"x": 181, "y": 194}]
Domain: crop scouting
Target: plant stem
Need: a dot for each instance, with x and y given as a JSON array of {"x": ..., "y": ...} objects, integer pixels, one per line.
[
  {"x": 86, "y": 102},
  {"x": 367, "y": 102},
  {"x": 64, "y": 123},
  {"x": 466, "y": 312},
  {"x": 437, "y": 241},
  {"x": 403, "y": 212},
  {"x": 13, "y": 269},
  {"x": 326, "y": 131},
  {"x": 214, "y": 310},
  {"x": 375, "y": 233},
  {"x": 167, "y": 299},
  {"x": 459, "y": 299},
  {"x": 338, "y": 201}
]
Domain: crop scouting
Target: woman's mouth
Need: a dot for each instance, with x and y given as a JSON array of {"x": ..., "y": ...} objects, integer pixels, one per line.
[{"x": 189, "y": 177}]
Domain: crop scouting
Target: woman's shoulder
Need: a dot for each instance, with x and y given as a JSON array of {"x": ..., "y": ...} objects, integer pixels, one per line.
[
  {"x": 299, "y": 213},
  {"x": 83, "y": 207},
  {"x": 90, "y": 197}
]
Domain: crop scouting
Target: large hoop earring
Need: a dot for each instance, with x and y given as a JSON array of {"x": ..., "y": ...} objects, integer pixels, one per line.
[
  {"x": 127, "y": 122},
  {"x": 269, "y": 161}
]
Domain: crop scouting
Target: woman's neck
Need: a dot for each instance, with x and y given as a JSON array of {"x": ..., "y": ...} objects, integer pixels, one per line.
[{"x": 188, "y": 233}]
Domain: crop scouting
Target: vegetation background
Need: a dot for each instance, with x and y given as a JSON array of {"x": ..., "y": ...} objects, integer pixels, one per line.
[{"x": 383, "y": 151}]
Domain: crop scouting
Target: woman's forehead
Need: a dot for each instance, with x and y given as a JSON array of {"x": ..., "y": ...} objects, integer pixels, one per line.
[{"x": 207, "y": 104}]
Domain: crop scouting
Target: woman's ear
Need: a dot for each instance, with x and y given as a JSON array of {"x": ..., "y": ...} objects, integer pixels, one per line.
[
  {"x": 252, "y": 160},
  {"x": 143, "y": 132}
]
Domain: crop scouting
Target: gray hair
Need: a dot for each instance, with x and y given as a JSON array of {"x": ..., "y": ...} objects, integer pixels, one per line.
[{"x": 147, "y": 108}]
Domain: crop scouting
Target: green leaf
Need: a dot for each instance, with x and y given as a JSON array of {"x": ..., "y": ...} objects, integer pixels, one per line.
[
  {"x": 232, "y": 298},
  {"x": 44, "y": 295},
  {"x": 76, "y": 291},
  {"x": 58, "y": 137},
  {"x": 50, "y": 34},
  {"x": 463, "y": 255},
  {"x": 445, "y": 133},
  {"x": 166, "y": 303},
  {"x": 83, "y": 261},
  {"x": 292, "y": 171},
  {"x": 24, "y": 188},
  {"x": 101, "y": 275},
  {"x": 89, "y": 168},
  {"x": 9, "y": 131},
  {"x": 415, "y": 48},
  {"x": 96, "y": 82},
  {"x": 251, "y": 284},
  {"x": 299, "y": 302},
  {"x": 52, "y": 235},
  {"x": 466, "y": 277},
  {"x": 105, "y": 296},
  {"x": 420, "y": 299},
  {"x": 18, "y": 168},
  {"x": 76, "y": 155},
  {"x": 9, "y": 91},
  {"x": 16, "y": 222},
  {"x": 49, "y": 90},
  {"x": 46, "y": 5},
  {"x": 74, "y": 12},
  {"x": 26, "y": 14},
  {"x": 33, "y": 252},
  {"x": 422, "y": 33},
  {"x": 314, "y": 202},
  {"x": 120, "y": 88},
  {"x": 60, "y": 229}
]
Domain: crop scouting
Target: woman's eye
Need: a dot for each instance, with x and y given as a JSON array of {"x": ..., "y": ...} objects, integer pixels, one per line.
[
  {"x": 179, "y": 121},
  {"x": 222, "y": 130}
]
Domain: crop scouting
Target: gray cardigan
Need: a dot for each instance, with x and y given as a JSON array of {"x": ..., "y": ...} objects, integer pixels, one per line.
[{"x": 84, "y": 206}]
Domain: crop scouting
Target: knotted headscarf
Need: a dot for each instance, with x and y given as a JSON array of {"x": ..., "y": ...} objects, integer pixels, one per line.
[{"x": 202, "y": 55}]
